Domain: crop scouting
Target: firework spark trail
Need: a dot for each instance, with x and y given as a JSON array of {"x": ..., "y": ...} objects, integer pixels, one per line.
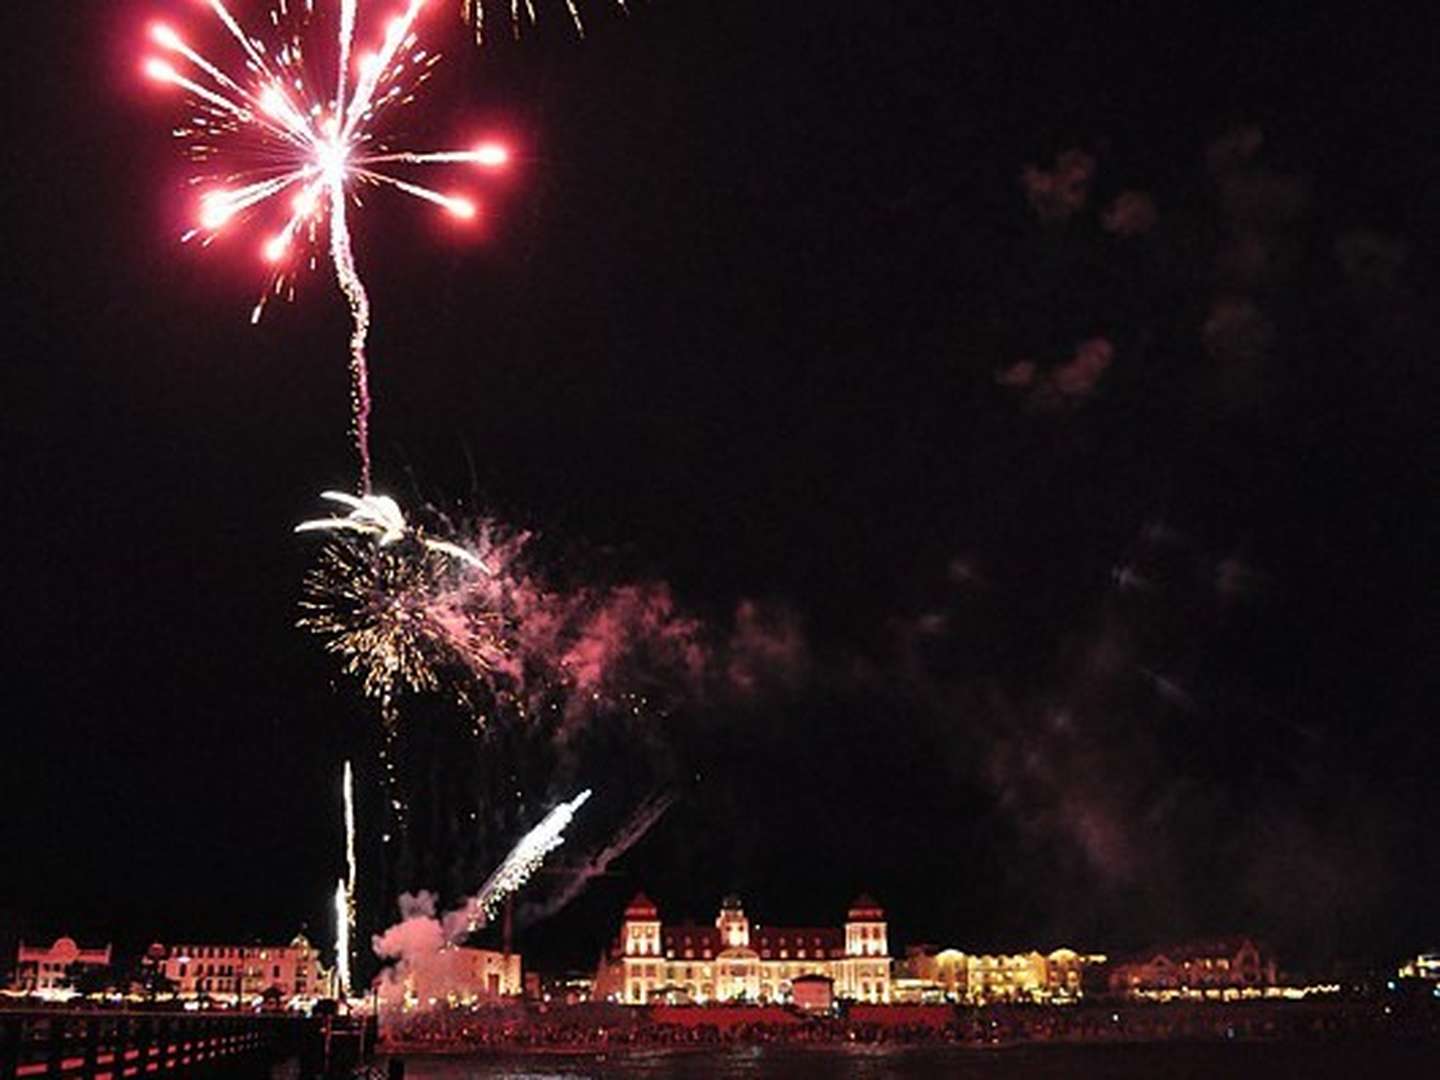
[
  {"x": 342, "y": 938},
  {"x": 628, "y": 835},
  {"x": 514, "y": 871},
  {"x": 522, "y": 14},
  {"x": 347, "y": 39},
  {"x": 356, "y": 296},
  {"x": 280, "y": 132}
]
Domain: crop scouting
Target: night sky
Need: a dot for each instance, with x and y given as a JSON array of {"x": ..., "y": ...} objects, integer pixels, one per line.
[{"x": 1101, "y": 547}]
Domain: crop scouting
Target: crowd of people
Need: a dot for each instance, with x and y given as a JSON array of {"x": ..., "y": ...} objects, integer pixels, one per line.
[{"x": 570, "y": 1030}]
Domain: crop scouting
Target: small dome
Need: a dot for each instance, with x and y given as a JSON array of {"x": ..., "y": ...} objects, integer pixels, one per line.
[
  {"x": 731, "y": 903},
  {"x": 865, "y": 909}
]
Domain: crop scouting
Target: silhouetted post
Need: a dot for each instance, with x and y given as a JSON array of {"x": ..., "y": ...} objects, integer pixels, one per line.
[
  {"x": 10, "y": 1028},
  {"x": 55, "y": 1048},
  {"x": 94, "y": 1025},
  {"x": 142, "y": 1038}
]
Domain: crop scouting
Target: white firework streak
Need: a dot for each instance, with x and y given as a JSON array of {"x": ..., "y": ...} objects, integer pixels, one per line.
[
  {"x": 351, "y": 874},
  {"x": 380, "y": 517},
  {"x": 348, "y": 786},
  {"x": 286, "y": 135},
  {"x": 514, "y": 871},
  {"x": 522, "y": 13}
]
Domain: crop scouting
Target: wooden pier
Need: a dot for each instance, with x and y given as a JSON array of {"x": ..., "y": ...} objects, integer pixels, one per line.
[{"x": 115, "y": 1045}]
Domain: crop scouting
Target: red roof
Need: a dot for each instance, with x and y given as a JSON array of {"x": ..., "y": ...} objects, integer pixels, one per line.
[{"x": 641, "y": 907}]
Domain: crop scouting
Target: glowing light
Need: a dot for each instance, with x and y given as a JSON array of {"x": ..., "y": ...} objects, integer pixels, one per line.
[
  {"x": 165, "y": 37},
  {"x": 268, "y": 127},
  {"x": 215, "y": 210},
  {"x": 160, "y": 71},
  {"x": 492, "y": 155}
]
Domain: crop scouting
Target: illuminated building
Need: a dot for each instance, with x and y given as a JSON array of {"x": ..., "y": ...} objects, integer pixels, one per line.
[
  {"x": 465, "y": 976},
  {"x": 1217, "y": 969},
  {"x": 1057, "y": 977},
  {"x": 244, "y": 972},
  {"x": 735, "y": 960},
  {"x": 1424, "y": 966},
  {"x": 48, "y": 970}
]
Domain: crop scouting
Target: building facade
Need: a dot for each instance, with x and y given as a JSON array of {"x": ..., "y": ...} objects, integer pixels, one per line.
[
  {"x": 1215, "y": 969},
  {"x": 463, "y": 976},
  {"x": 245, "y": 972},
  {"x": 49, "y": 970},
  {"x": 930, "y": 974},
  {"x": 735, "y": 960}
]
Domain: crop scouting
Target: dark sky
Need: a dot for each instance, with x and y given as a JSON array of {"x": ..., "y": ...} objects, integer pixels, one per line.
[{"x": 1094, "y": 653}]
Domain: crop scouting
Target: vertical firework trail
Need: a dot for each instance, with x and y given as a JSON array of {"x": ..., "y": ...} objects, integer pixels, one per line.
[
  {"x": 272, "y": 134},
  {"x": 348, "y": 790},
  {"x": 342, "y": 940}
]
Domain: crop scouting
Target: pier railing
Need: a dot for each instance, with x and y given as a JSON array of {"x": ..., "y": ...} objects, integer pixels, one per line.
[{"x": 104, "y": 1045}]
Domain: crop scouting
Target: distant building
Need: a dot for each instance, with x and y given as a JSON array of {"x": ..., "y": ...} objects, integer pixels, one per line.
[
  {"x": 928, "y": 974},
  {"x": 244, "y": 972},
  {"x": 48, "y": 970},
  {"x": 465, "y": 976},
  {"x": 1214, "y": 969},
  {"x": 1424, "y": 966},
  {"x": 570, "y": 988},
  {"x": 737, "y": 961}
]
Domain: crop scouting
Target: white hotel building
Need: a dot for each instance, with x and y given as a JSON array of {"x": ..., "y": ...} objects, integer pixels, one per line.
[{"x": 735, "y": 960}]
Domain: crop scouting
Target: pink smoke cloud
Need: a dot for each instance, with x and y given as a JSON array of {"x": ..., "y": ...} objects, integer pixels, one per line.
[
  {"x": 1072, "y": 382},
  {"x": 1132, "y": 213},
  {"x": 767, "y": 645}
]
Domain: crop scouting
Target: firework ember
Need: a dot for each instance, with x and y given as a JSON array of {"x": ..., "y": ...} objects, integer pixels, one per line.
[
  {"x": 275, "y": 138},
  {"x": 386, "y": 597},
  {"x": 378, "y": 608}
]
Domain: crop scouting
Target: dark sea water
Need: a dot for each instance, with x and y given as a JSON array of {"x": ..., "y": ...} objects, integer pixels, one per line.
[{"x": 1170, "y": 1061}]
